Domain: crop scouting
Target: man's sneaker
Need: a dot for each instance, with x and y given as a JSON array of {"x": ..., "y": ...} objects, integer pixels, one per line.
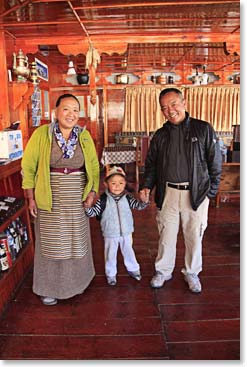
[
  {"x": 111, "y": 280},
  {"x": 49, "y": 301},
  {"x": 193, "y": 282},
  {"x": 159, "y": 279},
  {"x": 135, "y": 274}
]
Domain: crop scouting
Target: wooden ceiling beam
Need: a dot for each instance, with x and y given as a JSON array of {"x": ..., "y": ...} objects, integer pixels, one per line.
[
  {"x": 153, "y": 4},
  {"x": 166, "y": 37},
  {"x": 148, "y": 3},
  {"x": 79, "y": 20},
  {"x": 98, "y": 21},
  {"x": 15, "y": 8},
  {"x": 75, "y": 45},
  {"x": 143, "y": 4}
]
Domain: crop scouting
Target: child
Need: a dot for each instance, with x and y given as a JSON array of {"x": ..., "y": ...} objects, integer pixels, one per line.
[{"x": 117, "y": 225}]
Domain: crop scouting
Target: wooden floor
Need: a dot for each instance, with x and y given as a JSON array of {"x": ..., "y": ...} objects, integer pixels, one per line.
[{"x": 131, "y": 321}]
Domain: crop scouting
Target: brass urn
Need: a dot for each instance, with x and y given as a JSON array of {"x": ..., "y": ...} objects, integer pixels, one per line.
[{"x": 34, "y": 76}]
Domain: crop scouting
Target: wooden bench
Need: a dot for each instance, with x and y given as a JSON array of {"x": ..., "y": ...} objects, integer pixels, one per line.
[{"x": 230, "y": 181}]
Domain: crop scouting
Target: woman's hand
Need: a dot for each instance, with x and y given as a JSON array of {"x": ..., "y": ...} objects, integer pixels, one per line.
[
  {"x": 32, "y": 207},
  {"x": 88, "y": 203}
]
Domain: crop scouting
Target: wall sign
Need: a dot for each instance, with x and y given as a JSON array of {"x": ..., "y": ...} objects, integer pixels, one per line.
[{"x": 42, "y": 69}]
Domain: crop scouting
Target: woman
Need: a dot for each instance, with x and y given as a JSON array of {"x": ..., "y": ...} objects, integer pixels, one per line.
[{"x": 61, "y": 170}]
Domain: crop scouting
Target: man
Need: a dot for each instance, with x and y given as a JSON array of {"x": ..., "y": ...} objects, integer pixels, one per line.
[{"x": 184, "y": 165}]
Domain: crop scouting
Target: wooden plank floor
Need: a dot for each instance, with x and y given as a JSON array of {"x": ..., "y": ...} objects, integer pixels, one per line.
[{"x": 131, "y": 321}]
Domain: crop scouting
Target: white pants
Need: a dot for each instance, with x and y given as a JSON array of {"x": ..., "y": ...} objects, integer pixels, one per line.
[
  {"x": 177, "y": 205},
  {"x": 111, "y": 250}
]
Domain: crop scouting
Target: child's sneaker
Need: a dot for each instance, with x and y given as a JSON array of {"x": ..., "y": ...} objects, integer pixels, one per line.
[
  {"x": 135, "y": 274},
  {"x": 111, "y": 280}
]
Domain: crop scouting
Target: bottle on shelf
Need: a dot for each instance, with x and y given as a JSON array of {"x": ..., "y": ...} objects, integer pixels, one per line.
[
  {"x": 4, "y": 265},
  {"x": 11, "y": 244}
]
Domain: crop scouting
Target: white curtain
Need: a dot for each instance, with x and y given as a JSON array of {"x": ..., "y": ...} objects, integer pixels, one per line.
[{"x": 219, "y": 105}]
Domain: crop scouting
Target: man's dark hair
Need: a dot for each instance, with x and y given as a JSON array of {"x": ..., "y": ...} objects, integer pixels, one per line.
[
  {"x": 169, "y": 90},
  {"x": 66, "y": 95}
]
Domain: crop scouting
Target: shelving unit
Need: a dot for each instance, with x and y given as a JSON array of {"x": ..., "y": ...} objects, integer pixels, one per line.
[{"x": 10, "y": 179}]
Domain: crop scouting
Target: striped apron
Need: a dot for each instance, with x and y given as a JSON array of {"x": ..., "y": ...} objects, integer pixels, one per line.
[{"x": 64, "y": 230}]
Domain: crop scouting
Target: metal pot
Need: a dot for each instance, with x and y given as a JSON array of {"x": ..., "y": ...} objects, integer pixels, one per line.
[
  {"x": 82, "y": 78},
  {"x": 122, "y": 79}
]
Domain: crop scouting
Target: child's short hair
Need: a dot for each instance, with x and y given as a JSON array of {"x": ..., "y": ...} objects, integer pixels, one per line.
[{"x": 115, "y": 170}]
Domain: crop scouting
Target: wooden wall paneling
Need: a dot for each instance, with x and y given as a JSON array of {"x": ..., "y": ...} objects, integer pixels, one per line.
[{"x": 115, "y": 111}]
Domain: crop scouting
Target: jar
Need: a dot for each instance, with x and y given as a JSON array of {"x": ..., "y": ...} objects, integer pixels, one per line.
[
  {"x": 170, "y": 79},
  {"x": 122, "y": 79},
  {"x": 162, "y": 79},
  {"x": 82, "y": 78}
]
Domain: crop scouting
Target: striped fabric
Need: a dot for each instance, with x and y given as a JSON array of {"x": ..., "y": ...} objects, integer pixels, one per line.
[
  {"x": 64, "y": 230},
  {"x": 133, "y": 203}
]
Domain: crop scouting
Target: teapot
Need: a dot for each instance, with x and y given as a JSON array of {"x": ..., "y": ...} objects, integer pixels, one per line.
[{"x": 20, "y": 66}]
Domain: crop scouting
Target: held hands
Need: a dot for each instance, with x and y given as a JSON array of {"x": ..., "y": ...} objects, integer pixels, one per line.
[
  {"x": 32, "y": 207},
  {"x": 88, "y": 203},
  {"x": 144, "y": 195}
]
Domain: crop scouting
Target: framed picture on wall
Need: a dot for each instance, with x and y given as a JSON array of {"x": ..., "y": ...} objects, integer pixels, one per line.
[{"x": 42, "y": 69}]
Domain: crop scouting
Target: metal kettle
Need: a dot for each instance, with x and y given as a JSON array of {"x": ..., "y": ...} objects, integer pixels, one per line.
[{"x": 20, "y": 66}]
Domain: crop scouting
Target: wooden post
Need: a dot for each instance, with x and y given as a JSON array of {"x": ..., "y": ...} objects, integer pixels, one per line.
[
  {"x": 105, "y": 115},
  {"x": 4, "y": 105}
]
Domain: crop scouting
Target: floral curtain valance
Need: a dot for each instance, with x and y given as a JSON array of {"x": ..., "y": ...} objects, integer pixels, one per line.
[{"x": 219, "y": 105}]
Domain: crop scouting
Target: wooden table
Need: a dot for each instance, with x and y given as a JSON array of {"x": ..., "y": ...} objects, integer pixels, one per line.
[{"x": 114, "y": 154}]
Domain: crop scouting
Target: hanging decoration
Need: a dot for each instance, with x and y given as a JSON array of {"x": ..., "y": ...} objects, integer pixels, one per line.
[
  {"x": 92, "y": 57},
  {"x": 92, "y": 61}
]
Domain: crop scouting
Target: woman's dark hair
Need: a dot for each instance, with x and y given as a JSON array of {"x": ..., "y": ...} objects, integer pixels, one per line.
[
  {"x": 169, "y": 90},
  {"x": 66, "y": 95}
]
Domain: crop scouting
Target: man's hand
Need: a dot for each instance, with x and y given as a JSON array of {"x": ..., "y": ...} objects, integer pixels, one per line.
[{"x": 144, "y": 195}]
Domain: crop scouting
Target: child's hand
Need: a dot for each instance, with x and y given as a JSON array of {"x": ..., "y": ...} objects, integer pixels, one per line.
[{"x": 144, "y": 195}]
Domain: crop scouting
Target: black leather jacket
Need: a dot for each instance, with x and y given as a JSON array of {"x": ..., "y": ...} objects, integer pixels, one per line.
[{"x": 204, "y": 160}]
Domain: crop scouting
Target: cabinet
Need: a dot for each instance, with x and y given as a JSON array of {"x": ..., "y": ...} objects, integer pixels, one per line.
[{"x": 10, "y": 185}]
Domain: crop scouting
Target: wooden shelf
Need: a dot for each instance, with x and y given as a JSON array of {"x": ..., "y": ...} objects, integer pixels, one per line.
[
  {"x": 19, "y": 93},
  {"x": 11, "y": 278}
]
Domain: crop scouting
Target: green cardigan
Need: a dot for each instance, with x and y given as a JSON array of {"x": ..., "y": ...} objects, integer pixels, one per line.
[{"x": 36, "y": 164}]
